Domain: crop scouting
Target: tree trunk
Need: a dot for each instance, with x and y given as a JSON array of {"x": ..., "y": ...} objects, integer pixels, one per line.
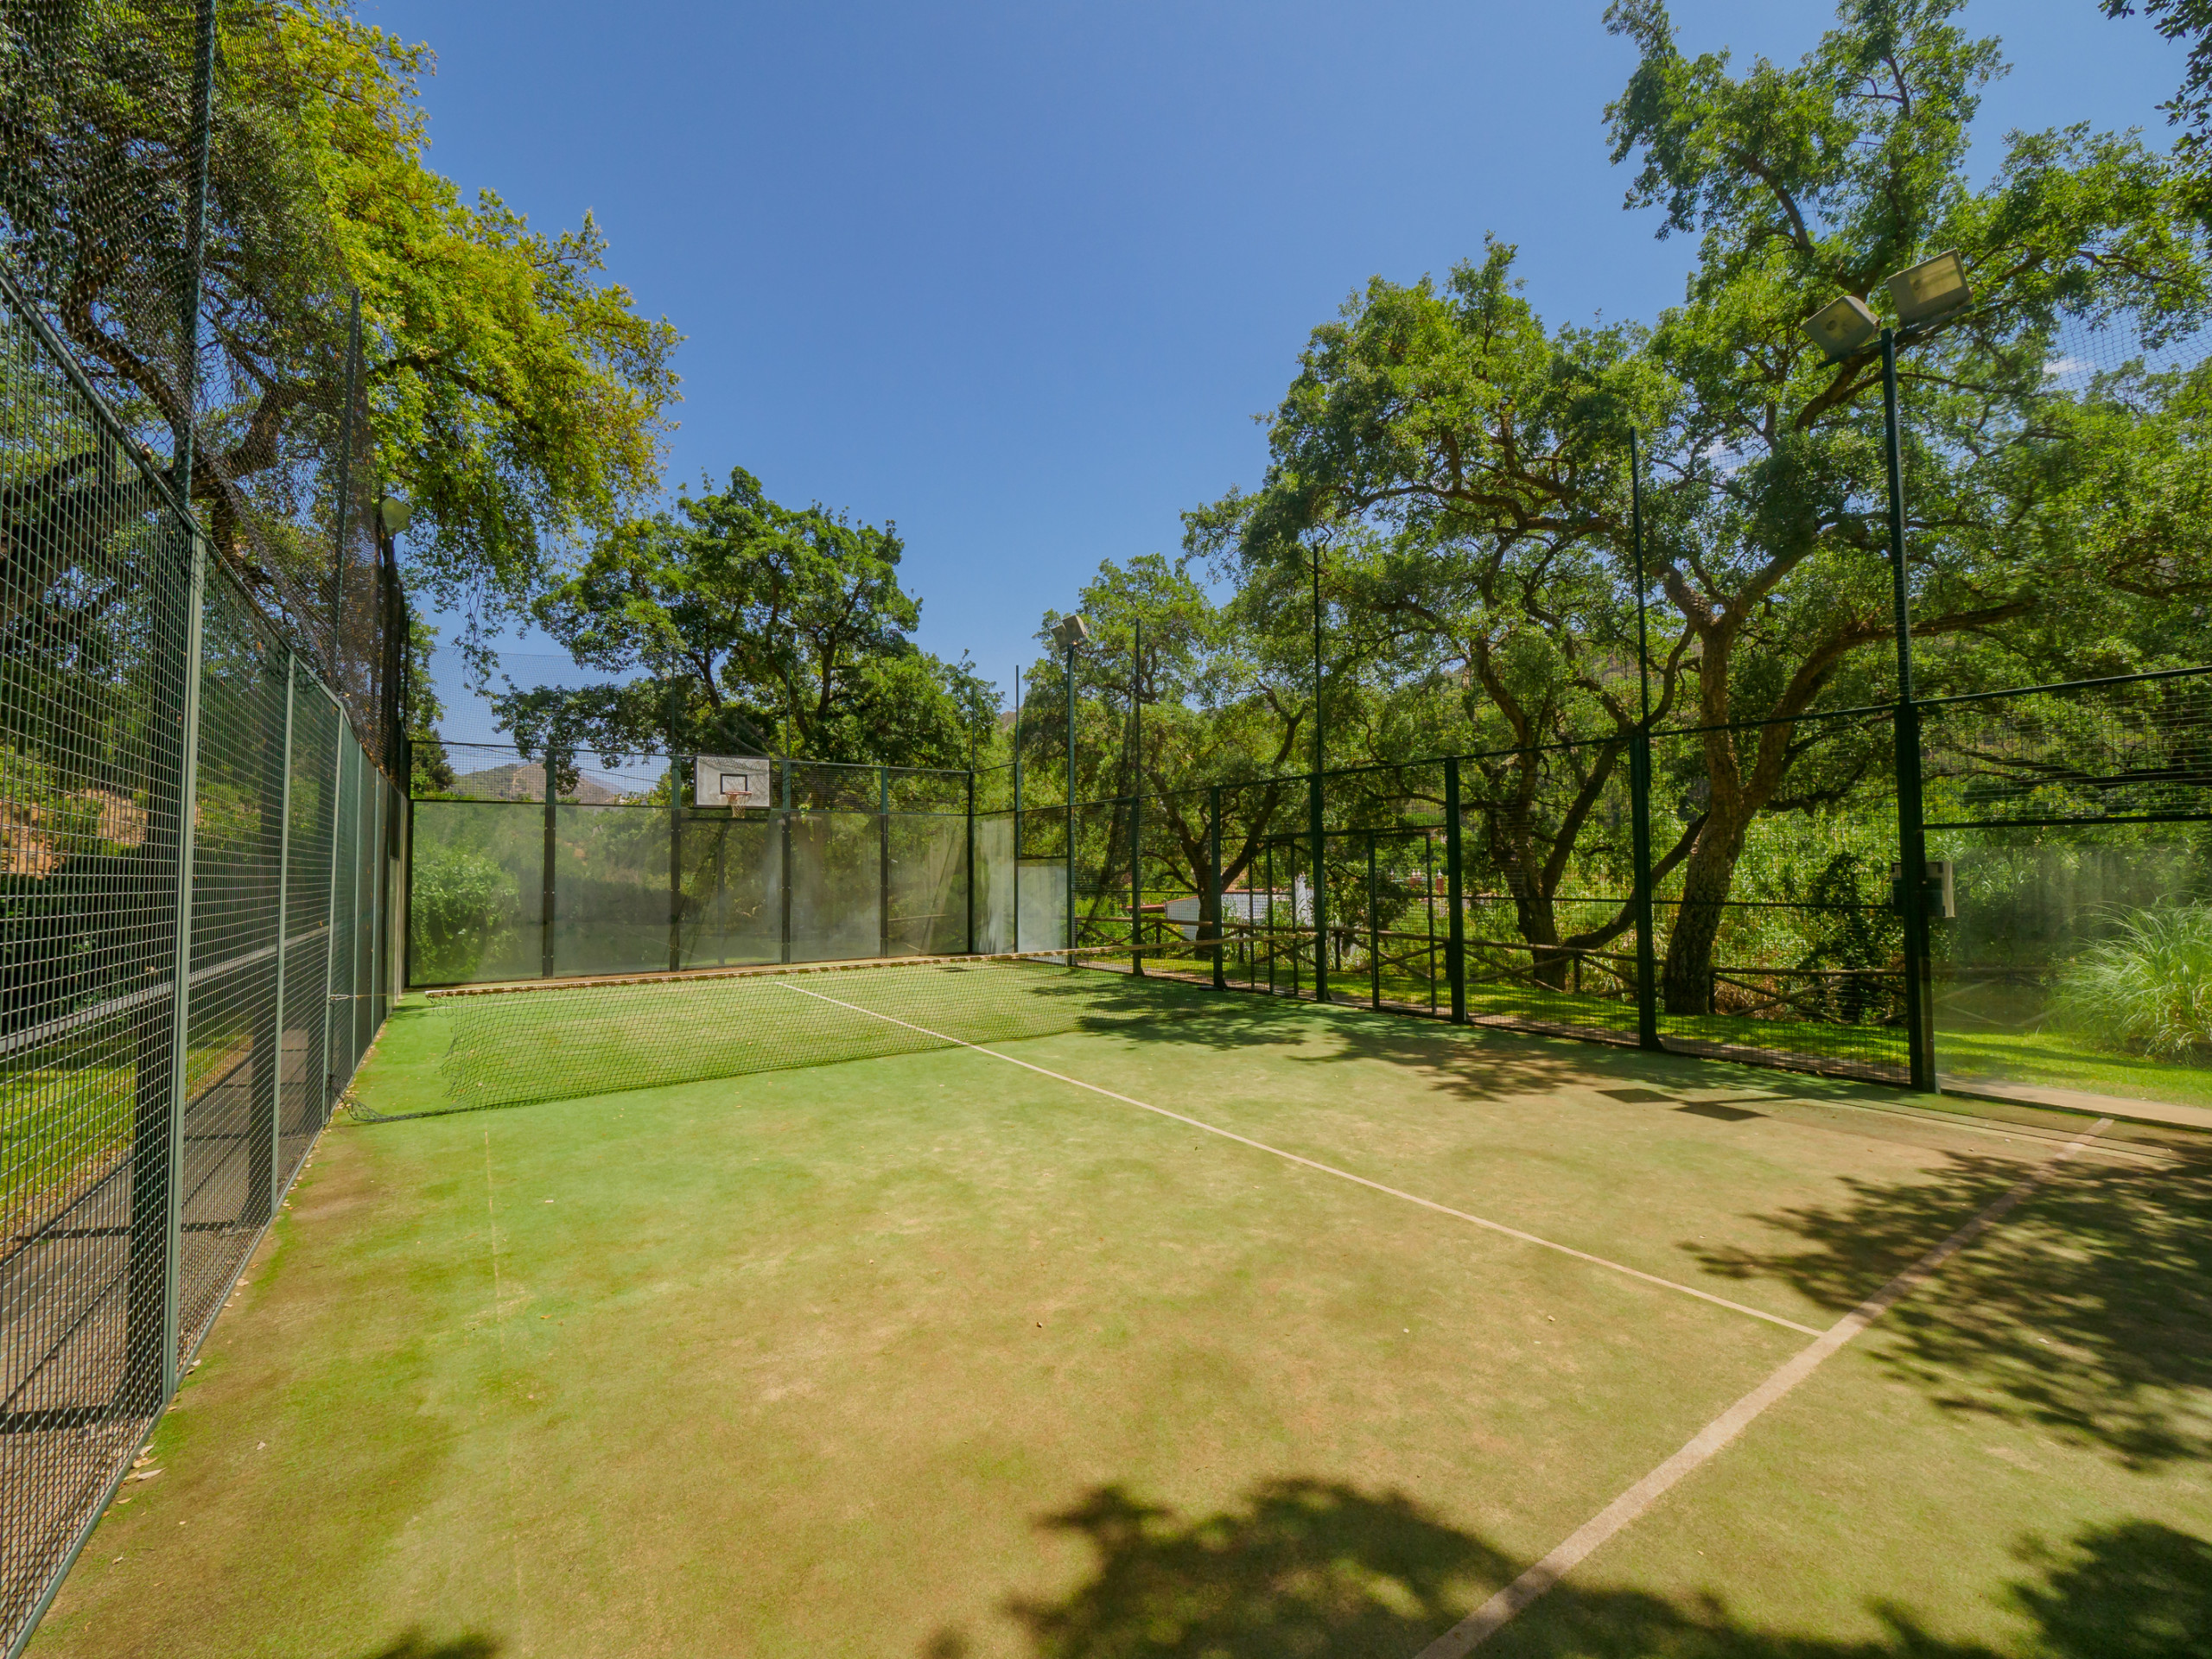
[
  {"x": 1686, "y": 980},
  {"x": 1513, "y": 851}
]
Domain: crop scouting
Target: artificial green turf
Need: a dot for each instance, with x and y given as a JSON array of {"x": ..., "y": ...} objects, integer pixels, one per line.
[
  {"x": 2056, "y": 1059},
  {"x": 2014, "y": 1462},
  {"x": 930, "y": 1354}
]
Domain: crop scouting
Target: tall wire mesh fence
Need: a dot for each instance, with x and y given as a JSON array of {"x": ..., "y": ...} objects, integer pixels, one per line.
[
  {"x": 199, "y": 841},
  {"x": 2066, "y": 827},
  {"x": 2072, "y": 826},
  {"x": 521, "y": 870}
]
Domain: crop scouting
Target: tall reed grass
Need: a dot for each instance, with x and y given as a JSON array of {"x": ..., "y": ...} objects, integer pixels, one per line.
[{"x": 2148, "y": 988}]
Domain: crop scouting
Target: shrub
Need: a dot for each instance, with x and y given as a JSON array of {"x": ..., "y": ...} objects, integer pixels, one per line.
[
  {"x": 457, "y": 903},
  {"x": 2149, "y": 986}
]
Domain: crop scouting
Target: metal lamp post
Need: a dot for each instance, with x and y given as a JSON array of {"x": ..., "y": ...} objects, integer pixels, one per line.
[
  {"x": 1639, "y": 764},
  {"x": 1924, "y": 295},
  {"x": 1313, "y": 810},
  {"x": 1069, "y": 632}
]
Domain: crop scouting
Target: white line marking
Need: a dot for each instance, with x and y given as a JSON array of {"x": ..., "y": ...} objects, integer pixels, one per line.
[
  {"x": 499, "y": 1331},
  {"x": 1325, "y": 1169},
  {"x": 1495, "y": 1614}
]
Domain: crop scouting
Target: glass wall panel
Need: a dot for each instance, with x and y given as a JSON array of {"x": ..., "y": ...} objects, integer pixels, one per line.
[
  {"x": 926, "y": 897},
  {"x": 1043, "y": 904},
  {"x": 837, "y": 880},
  {"x": 472, "y": 892},
  {"x": 995, "y": 883},
  {"x": 610, "y": 889},
  {"x": 733, "y": 903},
  {"x": 2078, "y": 963}
]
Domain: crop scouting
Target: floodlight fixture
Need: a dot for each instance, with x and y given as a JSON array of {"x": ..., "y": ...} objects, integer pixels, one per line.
[
  {"x": 394, "y": 514},
  {"x": 1933, "y": 288},
  {"x": 1071, "y": 631},
  {"x": 1841, "y": 327}
]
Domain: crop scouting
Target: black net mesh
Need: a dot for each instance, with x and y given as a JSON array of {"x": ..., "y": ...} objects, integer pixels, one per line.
[
  {"x": 511, "y": 1045},
  {"x": 176, "y": 1026},
  {"x": 2071, "y": 828},
  {"x": 1790, "y": 950},
  {"x": 100, "y": 119}
]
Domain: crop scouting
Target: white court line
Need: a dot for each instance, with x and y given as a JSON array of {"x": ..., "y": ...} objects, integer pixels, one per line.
[
  {"x": 1495, "y": 1614},
  {"x": 1325, "y": 1169}
]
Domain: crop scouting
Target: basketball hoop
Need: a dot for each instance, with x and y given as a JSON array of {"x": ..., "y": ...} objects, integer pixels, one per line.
[{"x": 736, "y": 782}]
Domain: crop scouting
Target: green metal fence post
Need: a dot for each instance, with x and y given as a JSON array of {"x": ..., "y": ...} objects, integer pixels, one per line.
[
  {"x": 1136, "y": 803},
  {"x": 1213, "y": 889},
  {"x": 547, "y": 880},
  {"x": 784, "y": 897},
  {"x": 1912, "y": 845},
  {"x": 158, "y": 1113},
  {"x": 345, "y": 488},
  {"x": 1639, "y": 781},
  {"x": 1069, "y": 940},
  {"x": 1136, "y": 883},
  {"x": 330, "y": 965},
  {"x": 883, "y": 861},
  {"x": 180, "y": 971},
  {"x": 1374, "y": 933},
  {"x": 1428, "y": 904},
  {"x": 1315, "y": 882},
  {"x": 1017, "y": 809},
  {"x": 971, "y": 861},
  {"x": 1640, "y": 802},
  {"x": 268, "y": 1058},
  {"x": 407, "y": 887},
  {"x": 675, "y": 857},
  {"x": 1455, "y": 935}
]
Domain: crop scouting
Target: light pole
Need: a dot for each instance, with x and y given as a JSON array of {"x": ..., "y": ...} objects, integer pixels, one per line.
[
  {"x": 1068, "y": 633},
  {"x": 1639, "y": 777},
  {"x": 1313, "y": 807},
  {"x": 394, "y": 514},
  {"x": 1136, "y": 802},
  {"x": 1924, "y": 295}
]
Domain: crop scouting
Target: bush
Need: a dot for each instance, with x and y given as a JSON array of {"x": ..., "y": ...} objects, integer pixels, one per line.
[
  {"x": 2148, "y": 988},
  {"x": 458, "y": 903}
]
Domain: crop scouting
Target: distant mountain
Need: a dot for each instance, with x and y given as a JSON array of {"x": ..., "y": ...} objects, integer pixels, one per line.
[{"x": 525, "y": 783}]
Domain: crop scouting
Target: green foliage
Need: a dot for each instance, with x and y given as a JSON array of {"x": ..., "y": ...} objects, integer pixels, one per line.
[
  {"x": 2148, "y": 988},
  {"x": 755, "y": 626},
  {"x": 1208, "y": 701},
  {"x": 517, "y": 395},
  {"x": 1457, "y": 467},
  {"x": 429, "y": 768},
  {"x": 2191, "y": 108},
  {"x": 457, "y": 901}
]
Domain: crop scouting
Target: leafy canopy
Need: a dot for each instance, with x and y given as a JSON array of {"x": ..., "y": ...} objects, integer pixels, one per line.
[{"x": 754, "y": 627}]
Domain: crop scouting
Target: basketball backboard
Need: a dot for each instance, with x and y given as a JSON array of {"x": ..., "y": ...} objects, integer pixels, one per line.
[{"x": 733, "y": 781}]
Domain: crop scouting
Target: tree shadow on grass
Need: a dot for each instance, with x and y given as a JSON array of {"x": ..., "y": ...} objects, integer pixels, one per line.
[
  {"x": 1477, "y": 1062},
  {"x": 2089, "y": 1313},
  {"x": 416, "y": 1645},
  {"x": 1474, "y": 1062},
  {"x": 1303, "y": 1567}
]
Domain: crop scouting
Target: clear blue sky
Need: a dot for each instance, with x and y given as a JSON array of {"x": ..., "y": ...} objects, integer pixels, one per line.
[{"x": 1018, "y": 275}]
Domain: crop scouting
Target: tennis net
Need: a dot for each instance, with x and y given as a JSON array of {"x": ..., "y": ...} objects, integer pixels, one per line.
[{"x": 511, "y": 1045}]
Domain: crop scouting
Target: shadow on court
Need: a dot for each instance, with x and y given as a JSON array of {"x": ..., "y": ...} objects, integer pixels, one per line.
[
  {"x": 2088, "y": 1314},
  {"x": 1474, "y": 1061},
  {"x": 1307, "y": 1568},
  {"x": 415, "y": 1645}
]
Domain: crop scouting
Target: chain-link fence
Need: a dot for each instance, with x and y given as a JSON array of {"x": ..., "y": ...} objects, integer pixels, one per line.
[
  {"x": 2066, "y": 829},
  {"x": 198, "y": 844},
  {"x": 2070, "y": 828}
]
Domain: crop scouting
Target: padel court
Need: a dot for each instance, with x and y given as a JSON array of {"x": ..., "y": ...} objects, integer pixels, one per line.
[{"x": 1132, "y": 1319}]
